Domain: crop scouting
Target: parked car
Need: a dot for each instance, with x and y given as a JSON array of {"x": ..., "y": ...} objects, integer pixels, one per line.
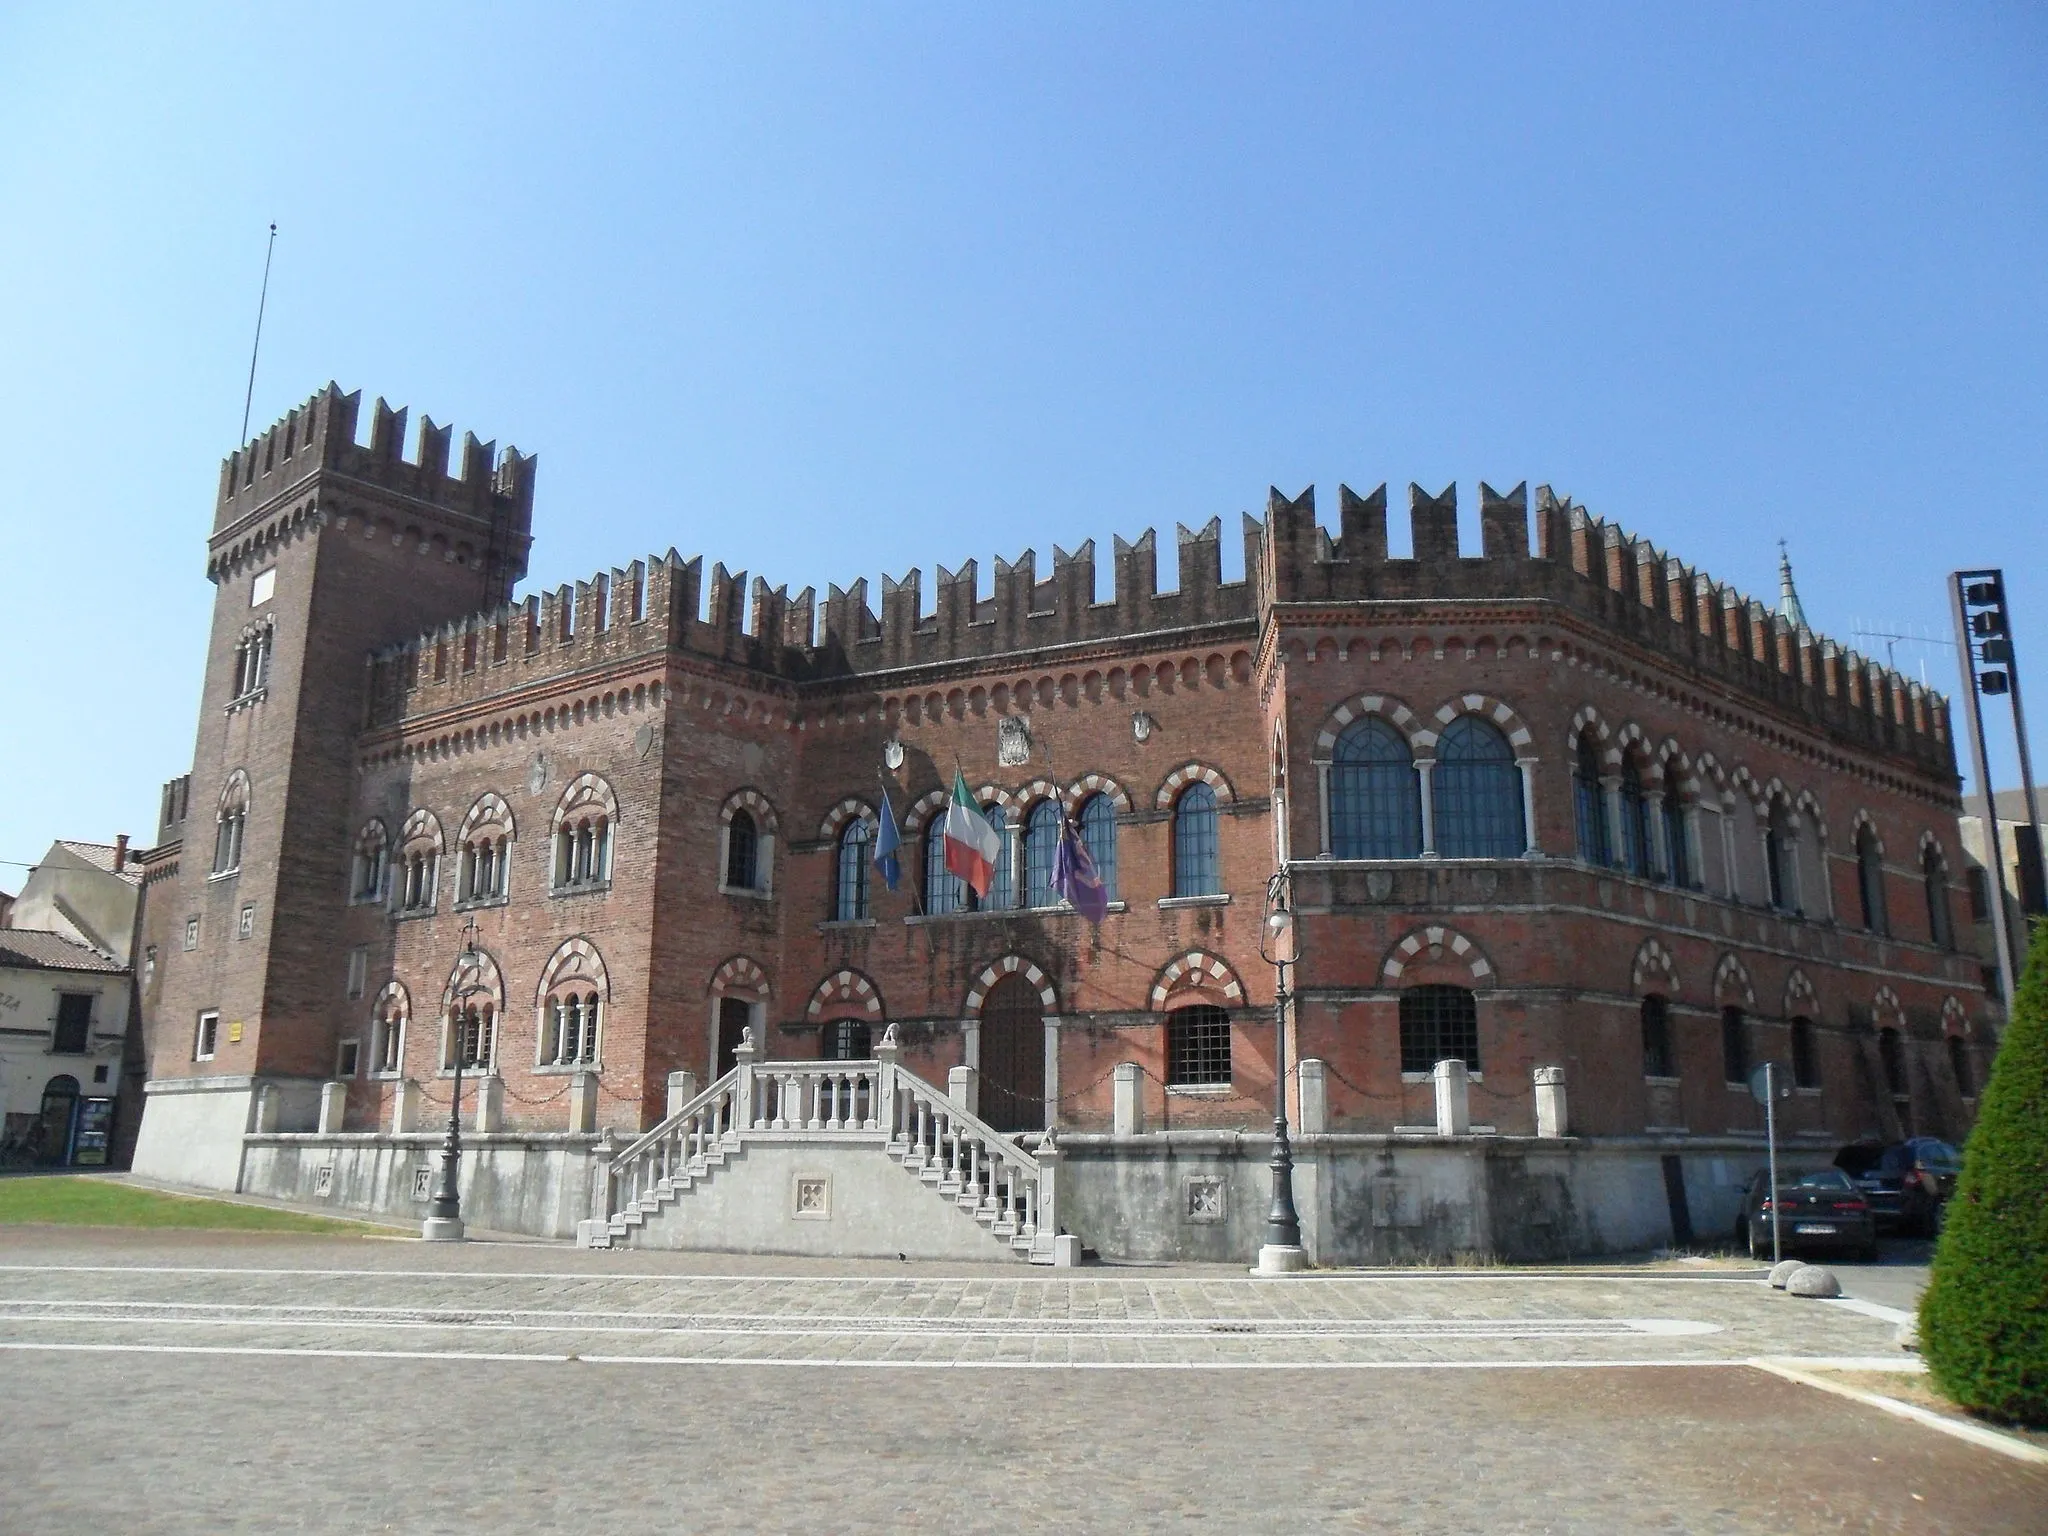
[
  {"x": 1907, "y": 1183},
  {"x": 1818, "y": 1210}
]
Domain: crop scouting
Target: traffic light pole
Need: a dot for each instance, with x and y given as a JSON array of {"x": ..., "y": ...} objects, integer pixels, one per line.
[{"x": 1986, "y": 589}]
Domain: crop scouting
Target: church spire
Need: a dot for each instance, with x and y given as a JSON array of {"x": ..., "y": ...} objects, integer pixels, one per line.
[{"x": 1788, "y": 595}]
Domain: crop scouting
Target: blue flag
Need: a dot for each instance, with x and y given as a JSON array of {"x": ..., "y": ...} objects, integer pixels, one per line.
[
  {"x": 887, "y": 841},
  {"x": 1074, "y": 875}
]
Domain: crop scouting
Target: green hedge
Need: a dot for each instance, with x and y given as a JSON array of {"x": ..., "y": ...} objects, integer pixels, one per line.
[{"x": 1984, "y": 1319}]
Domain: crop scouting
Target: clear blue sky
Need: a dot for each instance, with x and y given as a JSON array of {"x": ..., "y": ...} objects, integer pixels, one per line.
[{"x": 827, "y": 291}]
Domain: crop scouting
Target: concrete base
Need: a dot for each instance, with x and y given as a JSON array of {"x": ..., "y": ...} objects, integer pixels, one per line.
[
  {"x": 1277, "y": 1260},
  {"x": 441, "y": 1229}
]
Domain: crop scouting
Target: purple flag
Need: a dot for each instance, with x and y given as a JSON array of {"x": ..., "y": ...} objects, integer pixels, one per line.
[{"x": 1074, "y": 875}]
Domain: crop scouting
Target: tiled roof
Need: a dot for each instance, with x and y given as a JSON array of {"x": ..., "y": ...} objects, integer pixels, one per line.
[
  {"x": 29, "y": 949},
  {"x": 102, "y": 856}
]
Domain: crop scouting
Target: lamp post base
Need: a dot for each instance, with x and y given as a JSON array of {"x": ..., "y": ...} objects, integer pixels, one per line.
[
  {"x": 1280, "y": 1259},
  {"x": 442, "y": 1229}
]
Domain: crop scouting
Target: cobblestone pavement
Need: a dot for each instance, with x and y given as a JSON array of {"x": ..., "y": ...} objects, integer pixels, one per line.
[{"x": 189, "y": 1384}]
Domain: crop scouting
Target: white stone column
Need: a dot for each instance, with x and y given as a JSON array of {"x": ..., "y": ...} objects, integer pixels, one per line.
[
  {"x": 1323, "y": 807},
  {"x": 682, "y": 1087},
  {"x": 1731, "y": 871},
  {"x": 333, "y": 1107},
  {"x": 1312, "y": 1096},
  {"x": 1696, "y": 853},
  {"x": 1425, "y": 773},
  {"x": 963, "y": 1087},
  {"x": 1660, "y": 842},
  {"x": 1527, "y": 765},
  {"x": 1551, "y": 1118},
  {"x": 1453, "y": 1082},
  {"x": 1052, "y": 1070},
  {"x": 1127, "y": 1115},
  {"x": 1610, "y": 807},
  {"x": 889, "y": 1053}
]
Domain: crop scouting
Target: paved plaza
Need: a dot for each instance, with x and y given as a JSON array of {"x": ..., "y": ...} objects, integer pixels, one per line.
[{"x": 197, "y": 1382}]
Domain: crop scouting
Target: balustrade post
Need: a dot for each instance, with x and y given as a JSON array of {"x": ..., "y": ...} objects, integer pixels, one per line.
[
  {"x": 743, "y": 1083},
  {"x": 1048, "y": 1224},
  {"x": 887, "y": 1055}
]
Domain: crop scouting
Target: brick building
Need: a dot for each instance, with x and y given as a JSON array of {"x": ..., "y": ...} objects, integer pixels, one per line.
[{"x": 1560, "y": 804}]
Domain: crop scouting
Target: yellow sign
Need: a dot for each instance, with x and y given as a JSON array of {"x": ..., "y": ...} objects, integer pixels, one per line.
[{"x": 235, "y": 1032}]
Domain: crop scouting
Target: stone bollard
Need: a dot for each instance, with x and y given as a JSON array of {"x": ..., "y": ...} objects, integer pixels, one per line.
[
  {"x": 682, "y": 1087},
  {"x": 963, "y": 1087},
  {"x": 1781, "y": 1274},
  {"x": 1314, "y": 1088},
  {"x": 1127, "y": 1112},
  {"x": 489, "y": 1114},
  {"x": 1453, "y": 1098},
  {"x": 1813, "y": 1280},
  {"x": 583, "y": 1099},
  {"x": 333, "y": 1107},
  {"x": 1550, "y": 1105},
  {"x": 405, "y": 1107}
]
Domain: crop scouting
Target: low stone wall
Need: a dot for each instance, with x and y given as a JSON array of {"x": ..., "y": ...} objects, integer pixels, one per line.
[{"x": 537, "y": 1183}]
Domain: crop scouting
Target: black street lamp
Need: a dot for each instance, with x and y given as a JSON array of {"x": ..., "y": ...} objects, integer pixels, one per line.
[
  {"x": 444, "y": 1212},
  {"x": 1278, "y": 947}
]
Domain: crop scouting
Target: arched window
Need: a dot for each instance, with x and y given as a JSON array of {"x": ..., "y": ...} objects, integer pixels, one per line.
[
  {"x": 1589, "y": 803},
  {"x": 420, "y": 869},
  {"x": 1779, "y": 855},
  {"x": 230, "y": 823},
  {"x": 1002, "y": 885},
  {"x": 1098, "y": 836},
  {"x": 1934, "y": 877},
  {"x": 1194, "y": 842},
  {"x": 1438, "y": 1024},
  {"x": 741, "y": 871},
  {"x": 252, "y": 661},
  {"x": 1658, "y": 1059},
  {"x": 1478, "y": 792},
  {"x": 569, "y": 1020},
  {"x": 1805, "y": 1057},
  {"x": 473, "y": 1035},
  {"x": 483, "y": 869},
  {"x": 1375, "y": 803},
  {"x": 1734, "y": 1045},
  {"x": 1891, "y": 1052},
  {"x": 583, "y": 835},
  {"x": 387, "y": 1036},
  {"x": 1013, "y": 1056},
  {"x": 1635, "y": 822},
  {"x": 1680, "y": 852},
  {"x": 1041, "y": 843},
  {"x": 1870, "y": 879},
  {"x": 850, "y": 899},
  {"x": 944, "y": 891},
  {"x": 370, "y": 866},
  {"x": 847, "y": 1040},
  {"x": 1959, "y": 1063},
  {"x": 1197, "y": 1046}
]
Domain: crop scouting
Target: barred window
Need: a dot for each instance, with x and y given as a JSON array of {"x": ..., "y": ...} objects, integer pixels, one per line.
[
  {"x": 851, "y": 901},
  {"x": 1589, "y": 803},
  {"x": 1778, "y": 849},
  {"x": 1194, "y": 842},
  {"x": 1635, "y": 822},
  {"x": 1658, "y": 1060},
  {"x": 472, "y": 1037},
  {"x": 1675, "y": 840},
  {"x": 1098, "y": 836},
  {"x": 847, "y": 1040},
  {"x": 1734, "y": 1045},
  {"x": 1041, "y": 842},
  {"x": 740, "y": 839},
  {"x": 1870, "y": 879},
  {"x": 1478, "y": 793},
  {"x": 1891, "y": 1052},
  {"x": 1805, "y": 1059},
  {"x": 1438, "y": 1023},
  {"x": 1197, "y": 1046},
  {"x": 944, "y": 891},
  {"x": 1934, "y": 877},
  {"x": 1375, "y": 802},
  {"x": 1001, "y": 884},
  {"x": 1959, "y": 1063},
  {"x": 569, "y": 1028}
]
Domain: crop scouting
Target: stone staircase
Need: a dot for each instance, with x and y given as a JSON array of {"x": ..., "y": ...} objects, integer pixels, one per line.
[{"x": 832, "y": 1110}]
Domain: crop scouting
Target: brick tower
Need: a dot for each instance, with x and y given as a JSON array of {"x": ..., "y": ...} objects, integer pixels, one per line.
[{"x": 322, "y": 549}]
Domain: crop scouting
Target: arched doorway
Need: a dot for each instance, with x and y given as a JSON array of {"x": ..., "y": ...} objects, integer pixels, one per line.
[
  {"x": 1013, "y": 1056},
  {"x": 53, "y": 1122}
]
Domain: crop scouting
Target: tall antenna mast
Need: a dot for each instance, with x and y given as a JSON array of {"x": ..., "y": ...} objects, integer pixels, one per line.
[{"x": 262, "y": 299}]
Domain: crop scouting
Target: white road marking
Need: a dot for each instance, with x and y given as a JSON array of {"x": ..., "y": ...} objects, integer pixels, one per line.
[
  {"x": 1876, "y": 1309},
  {"x": 1976, "y": 1434}
]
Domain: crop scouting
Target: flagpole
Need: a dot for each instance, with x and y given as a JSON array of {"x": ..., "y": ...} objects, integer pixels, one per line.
[
  {"x": 262, "y": 299},
  {"x": 931, "y": 941}
]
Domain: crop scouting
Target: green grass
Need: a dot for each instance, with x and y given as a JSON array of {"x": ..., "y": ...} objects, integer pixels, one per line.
[{"x": 73, "y": 1201}]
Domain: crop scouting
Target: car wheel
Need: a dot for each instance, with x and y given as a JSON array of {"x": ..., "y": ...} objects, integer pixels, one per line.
[{"x": 1757, "y": 1250}]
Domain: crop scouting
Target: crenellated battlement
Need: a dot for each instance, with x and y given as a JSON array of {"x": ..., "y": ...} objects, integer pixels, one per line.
[
  {"x": 1622, "y": 584},
  {"x": 485, "y": 501}
]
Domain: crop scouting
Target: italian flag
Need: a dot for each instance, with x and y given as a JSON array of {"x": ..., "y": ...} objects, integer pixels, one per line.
[{"x": 972, "y": 844}]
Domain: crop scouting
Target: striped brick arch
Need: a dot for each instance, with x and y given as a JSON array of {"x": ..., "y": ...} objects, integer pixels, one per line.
[
  {"x": 1731, "y": 976},
  {"x": 755, "y": 804},
  {"x": 1011, "y": 965},
  {"x": 920, "y": 810},
  {"x": 1393, "y": 711},
  {"x": 1585, "y": 719},
  {"x": 1434, "y": 943},
  {"x": 1955, "y": 1019},
  {"x": 1197, "y": 971},
  {"x": 1492, "y": 709},
  {"x": 1192, "y": 773},
  {"x": 851, "y": 809},
  {"x": 1800, "y": 998},
  {"x": 842, "y": 992},
  {"x": 1654, "y": 962},
  {"x": 739, "y": 977},
  {"x": 1887, "y": 1009},
  {"x": 1091, "y": 784}
]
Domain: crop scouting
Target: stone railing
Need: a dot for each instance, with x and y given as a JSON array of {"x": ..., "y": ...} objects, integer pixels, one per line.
[{"x": 1014, "y": 1193}]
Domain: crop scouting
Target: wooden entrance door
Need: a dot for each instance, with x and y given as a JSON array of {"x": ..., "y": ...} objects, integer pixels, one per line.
[{"x": 1013, "y": 1057}]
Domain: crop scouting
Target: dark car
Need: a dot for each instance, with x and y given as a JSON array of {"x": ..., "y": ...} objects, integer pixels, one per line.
[
  {"x": 1818, "y": 1210},
  {"x": 1907, "y": 1183}
]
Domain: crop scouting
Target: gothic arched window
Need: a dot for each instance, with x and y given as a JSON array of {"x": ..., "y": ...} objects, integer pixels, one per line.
[
  {"x": 1870, "y": 879},
  {"x": 1478, "y": 792},
  {"x": 1375, "y": 803},
  {"x": 1589, "y": 803},
  {"x": 1195, "y": 871},
  {"x": 1098, "y": 836},
  {"x": 740, "y": 838},
  {"x": 1934, "y": 877},
  {"x": 1635, "y": 822},
  {"x": 851, "y": 889},
  {"x": 1041, "y": 843}
]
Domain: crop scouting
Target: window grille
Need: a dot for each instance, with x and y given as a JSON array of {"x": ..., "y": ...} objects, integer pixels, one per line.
[
  {"x": 1041, "y": 842},
  {"x": 850, "y": 901},
  {"x": 1805, "y": 1058},
  {"x": 1635, "y": 822},
  {"x": 740, "y": 840},
  {"x": 1197, "y": 1046},
  {"x": 207, "y": 1038},
  {"x": 472, "y": 1036},
  {"x": 944, "y": 892},
  {"x": 1194, "y": 842},
  {"x": 569, "y": 1029},
  {"x": 1779, "y": 844},
  {"x": 1934, "y": 878},
  {"x": 1675, "y": 842},
  {"x": 1590, "y": 804},
  {"x": 74, "y": 1023},
  {"x": 847, "y": 1040},
  {"x": 1478, "y": 793},
  {"x": 1870, "y": 879},
  {"x": 1438, "y": 1023},
  {"x": 1734, "y": 1045},
  {"x": 1375, "y": 801},
  {"x": 1891, "y": 1052},
  {"x": 1098, "y": 836},
  {"x": 1002, "y": 884},
  {"x": 1658, "y": 1060}
]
